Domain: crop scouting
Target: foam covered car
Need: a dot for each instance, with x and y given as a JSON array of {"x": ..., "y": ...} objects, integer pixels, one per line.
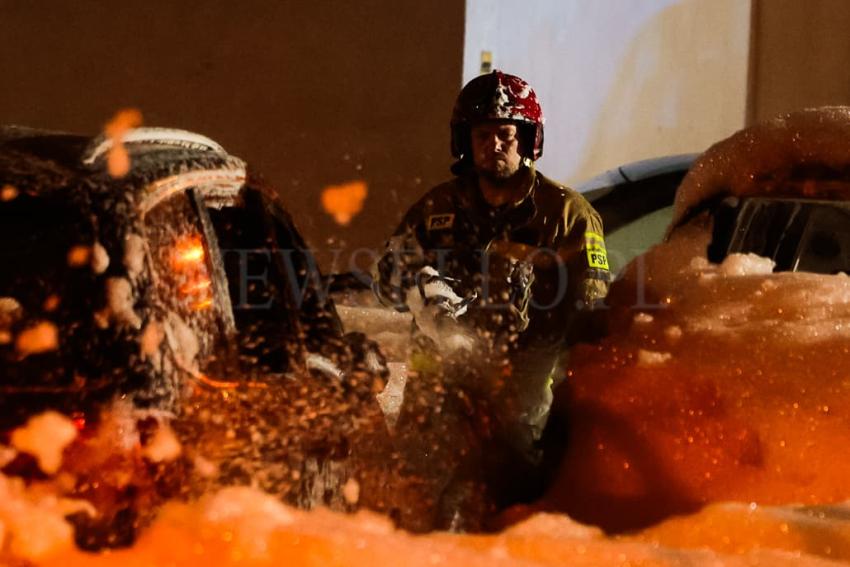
[{"x": 723, "y": 378}]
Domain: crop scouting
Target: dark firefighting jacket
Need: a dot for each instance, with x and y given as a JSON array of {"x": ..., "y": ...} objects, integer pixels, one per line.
[{"x": 553, "y": 231}]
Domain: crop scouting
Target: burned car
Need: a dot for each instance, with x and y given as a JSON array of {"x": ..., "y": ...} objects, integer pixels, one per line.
[
  {"x": 181, "y": 292},
  {"x": 724, "y": 375},
  {"x": 184, "y": 246}
]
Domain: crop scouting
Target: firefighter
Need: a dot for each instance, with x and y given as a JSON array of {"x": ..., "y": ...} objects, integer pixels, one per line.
[{"x": 503, "y": 249}]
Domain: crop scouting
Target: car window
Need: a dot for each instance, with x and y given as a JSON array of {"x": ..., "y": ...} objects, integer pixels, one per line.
[
  {"x": 180, "y": 258},
  {"x": 279, "y": 303},
  {"x": 319, "y": 320},
  {"x": 825, "y": 245},
  {"x": 797, "y": 234},
  {"x": 265, "y": 319},
  {"x": 635, "y": 214},
  {"x": 633, "y": 239}
]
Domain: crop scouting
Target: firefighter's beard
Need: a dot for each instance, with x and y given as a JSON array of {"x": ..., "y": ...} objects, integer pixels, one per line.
[{"x": 498, "y": 170}]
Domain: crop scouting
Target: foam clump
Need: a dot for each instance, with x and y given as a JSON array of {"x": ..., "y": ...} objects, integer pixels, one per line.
[
  {"x": 746, "y": 265},
  {"x": 32, "y": 522},
  {"x": 243, "y": 526},
  {"x": 751, "y": 405},
  {"x": 771, "y": 158},
  {"x": 45, "y": 437}
]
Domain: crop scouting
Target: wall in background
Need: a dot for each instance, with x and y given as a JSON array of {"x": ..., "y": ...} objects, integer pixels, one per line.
[
  {"x": 617, "y": 85},
  {"x": 322, "y": 93},
  {"x": 310, "y": 93},
  {"x": 801, "y": 55}
]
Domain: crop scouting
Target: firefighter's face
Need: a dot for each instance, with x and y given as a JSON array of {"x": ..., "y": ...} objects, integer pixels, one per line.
[{"x": 495, "y": 150}]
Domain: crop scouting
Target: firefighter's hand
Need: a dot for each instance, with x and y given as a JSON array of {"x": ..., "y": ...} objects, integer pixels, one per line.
[
  {"x": 435, "y": 289},
  {"x": 436, "y": 307}
]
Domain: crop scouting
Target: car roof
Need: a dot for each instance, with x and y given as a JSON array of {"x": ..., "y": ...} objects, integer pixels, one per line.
[
  {"x": 624, "y": 194},
  {"x": 59, "y": 147},
  {"x": 27, "y": 155},
  {"x": 632, "y": 172}
]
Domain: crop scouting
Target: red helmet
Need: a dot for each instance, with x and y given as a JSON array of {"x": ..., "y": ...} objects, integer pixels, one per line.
[{"x": 497, "y": 96}]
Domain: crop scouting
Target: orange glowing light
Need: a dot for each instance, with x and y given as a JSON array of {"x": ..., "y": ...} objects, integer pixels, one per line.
[
  {"x": 188, "y": 252},
  {"x": 187, "y": 259},
  {"x": 79, "y": 256},
  {"x": 203, "y": 304},
  {"x": 226, "y": 384},
  {"x": 191, "y": 255},
  {"x": 194, "y": 288},
  {"x": 8, "y": 193},
  {"x": 118, "y": 160},
  {"x": 343, "y": 202},
  {"x": 51, "y": 303},
  {"x": 79, "y": 422},
  {"x": 221, "y": 384}
]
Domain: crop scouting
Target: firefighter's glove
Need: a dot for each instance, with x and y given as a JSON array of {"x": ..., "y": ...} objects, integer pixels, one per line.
[
  {"x": 520, "y": 278},
  {"x": 435, "y": 289}
]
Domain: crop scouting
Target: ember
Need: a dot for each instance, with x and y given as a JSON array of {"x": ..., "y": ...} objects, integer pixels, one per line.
[
  {"x": 344, "y": 201},
  {"x": 118, "y": 159},
  {"x": 42, "y": 337}
]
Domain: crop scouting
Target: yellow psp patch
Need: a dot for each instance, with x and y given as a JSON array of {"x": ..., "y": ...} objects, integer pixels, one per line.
[{"x": 597, "y": 255}]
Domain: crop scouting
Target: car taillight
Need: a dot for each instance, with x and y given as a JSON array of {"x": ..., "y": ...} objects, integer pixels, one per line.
[{"x": 79, "y": 421}]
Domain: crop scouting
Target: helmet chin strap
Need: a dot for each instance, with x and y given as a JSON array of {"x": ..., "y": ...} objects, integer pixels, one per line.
[{"x": 462, "y": 165}]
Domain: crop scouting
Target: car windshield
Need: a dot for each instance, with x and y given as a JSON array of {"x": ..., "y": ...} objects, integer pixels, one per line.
[{"x": 797, "y": 234}]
